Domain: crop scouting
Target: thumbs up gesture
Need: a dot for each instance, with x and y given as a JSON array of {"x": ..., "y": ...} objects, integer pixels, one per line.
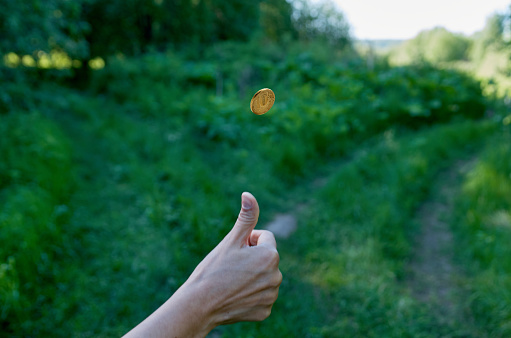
[
  {"x": 238, "y": 281},
  {"x": 242, "y": 273}
]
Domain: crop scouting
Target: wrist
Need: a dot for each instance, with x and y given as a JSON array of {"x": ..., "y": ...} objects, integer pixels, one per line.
[
  {"x": 193, "y": 298},
  {"x": 186, "y": 314}
]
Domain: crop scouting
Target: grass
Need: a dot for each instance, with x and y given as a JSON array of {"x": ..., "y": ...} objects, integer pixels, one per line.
[
  {"x": 344, "y": 267},
  {"x": 483, "y": 229},
  {"x": 35, "y": 182}
]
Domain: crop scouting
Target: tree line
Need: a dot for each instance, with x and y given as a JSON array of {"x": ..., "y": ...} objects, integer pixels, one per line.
[
  {"x": 438, "y": 45},
  {"x": 85, "y": 29}
]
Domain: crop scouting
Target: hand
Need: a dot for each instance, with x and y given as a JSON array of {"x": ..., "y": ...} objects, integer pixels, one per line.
[
  {"x": 241, "y": 275},
  {"x": 238, "y": 281}
]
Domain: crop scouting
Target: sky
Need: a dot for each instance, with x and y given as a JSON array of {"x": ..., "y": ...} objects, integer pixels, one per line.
[{"x": 403, "y": 19}]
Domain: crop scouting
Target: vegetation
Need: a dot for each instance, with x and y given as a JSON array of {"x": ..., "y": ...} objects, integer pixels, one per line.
[
  {"x": 483, "y": 228},
  {"x": 437, "y": 45},
  {"x": 485, "y": 54},
  {"x": 347, "y": 259},
  {"x": 111, "y": 191}
]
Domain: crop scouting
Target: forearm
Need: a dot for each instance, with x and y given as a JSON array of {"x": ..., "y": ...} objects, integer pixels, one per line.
[
  {"x": 238, "y": 281},
  {"x": 183, "y": 315}
]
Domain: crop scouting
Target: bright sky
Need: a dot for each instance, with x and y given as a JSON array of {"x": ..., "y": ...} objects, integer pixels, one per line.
[{"x": 403, "y": 19}]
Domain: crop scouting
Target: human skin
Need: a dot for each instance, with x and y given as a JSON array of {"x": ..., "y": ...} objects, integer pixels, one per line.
[{"x": 237, "y": 281}]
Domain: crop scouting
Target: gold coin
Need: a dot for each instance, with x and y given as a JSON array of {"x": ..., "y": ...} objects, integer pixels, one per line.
[{"x": 262, "y": 101}]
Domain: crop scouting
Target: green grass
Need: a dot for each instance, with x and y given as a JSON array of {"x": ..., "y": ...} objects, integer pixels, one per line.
[
  {"x": 35, "y": 182},
  {"x": 344, "y": 267},
  {"x": 483, "y": 228}
]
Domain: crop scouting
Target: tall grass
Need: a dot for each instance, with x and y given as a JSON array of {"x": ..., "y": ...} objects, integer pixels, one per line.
[
  {"x": 35, "y": 182},
  {"x": 483, "y": 228}
]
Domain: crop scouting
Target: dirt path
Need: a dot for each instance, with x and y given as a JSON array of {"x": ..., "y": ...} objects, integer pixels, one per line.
[
  {"x": 433, "y": 277},
  {"x": 284, "y": 225}
]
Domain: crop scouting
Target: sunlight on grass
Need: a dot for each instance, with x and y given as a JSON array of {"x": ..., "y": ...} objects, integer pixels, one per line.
[
  {"x": 484, "y": 230},
  {"x": 500, "y": 218},
  {"x": 486, "y": 184},
  {"x": 97, "y": 63},
  {"x": 28, "y": 61},
  {"x": 351, "y": 264},
  {"x": 12, "y": 60},
  {"x": 53, "y": 60}
]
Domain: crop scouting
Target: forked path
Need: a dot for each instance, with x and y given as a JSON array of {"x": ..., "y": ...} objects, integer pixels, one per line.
[{"x": 433, "y": 277}]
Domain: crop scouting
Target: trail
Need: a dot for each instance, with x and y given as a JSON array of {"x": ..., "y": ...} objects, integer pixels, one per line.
[
  {"x": 433, "y": 277},
  {"x": 283, "y": 225}
]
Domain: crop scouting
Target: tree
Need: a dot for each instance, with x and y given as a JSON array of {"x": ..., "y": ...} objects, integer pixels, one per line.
[
  {"x": 444, "y": 46},
  {"x": 135, "y": 26},
  {"x": 276, "y": 20},
  {"x": 321, "y": 21},
  {"x": 27, "y": 27},
  {"x": 435, "y": 46},
  {"x": 491, "y": 37}
]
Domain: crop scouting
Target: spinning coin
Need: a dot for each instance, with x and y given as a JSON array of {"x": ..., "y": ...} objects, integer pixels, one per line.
[{"x": 262, "y": 101}]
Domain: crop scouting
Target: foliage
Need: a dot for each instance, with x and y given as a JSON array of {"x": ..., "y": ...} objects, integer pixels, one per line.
[
  {"x": 485, "y": 54},
  {"x": 491, "y": 37},
  {"x": 437, "y": 45},
  {"x": 86, "y": 29},
  {"x": 484, "y": 232},
  {"x": 111, "y": 195},
  {"x": 35, "y": 177},
  {"x": 276, "y": 20},
  {"x": 31, "y": 26},
  {"x": 321, "y": 21},
  {"x": 410, "y": 96},
  {"x": 136, "y": 26}
]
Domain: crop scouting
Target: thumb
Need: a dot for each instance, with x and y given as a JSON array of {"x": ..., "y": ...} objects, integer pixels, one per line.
[{"x": 247, "y": 219}]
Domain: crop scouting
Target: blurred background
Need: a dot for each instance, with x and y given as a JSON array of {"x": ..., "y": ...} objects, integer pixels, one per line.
[{"x": 126, "y": 140}]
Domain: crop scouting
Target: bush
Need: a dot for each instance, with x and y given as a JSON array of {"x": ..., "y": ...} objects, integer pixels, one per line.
[{"x": 321, "y": 105}]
